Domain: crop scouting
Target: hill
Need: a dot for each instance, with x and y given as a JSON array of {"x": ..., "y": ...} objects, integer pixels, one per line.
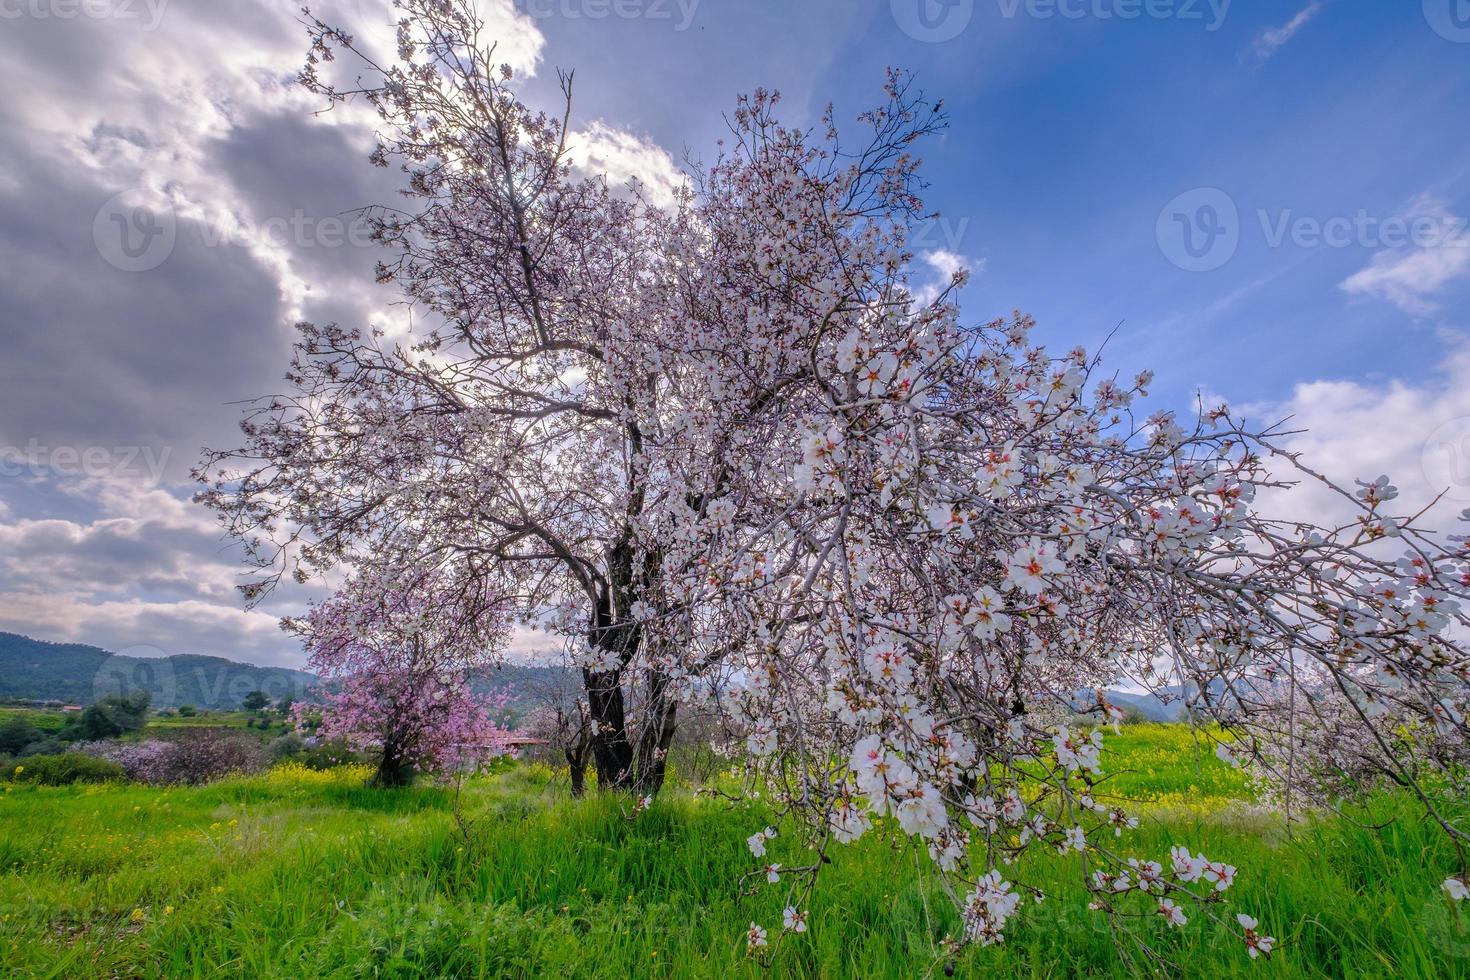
[
  {"x": 75, "y": 673},
  {"x": 1148, "y": 705}
]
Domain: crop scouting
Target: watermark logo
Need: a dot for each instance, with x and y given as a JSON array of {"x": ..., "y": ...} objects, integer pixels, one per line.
[
  {"x": 1364, "y": 230},
  {"x": 298, "y": 230},
  {"x": 940, "y": 234},
  {"x": 134, "y": 670},
  {"x": 133, "y": 237},
  {"x": 1450, "y": 19},
  {"x": 1210, "y": 13},
  {"x": 1199, "y": 230},
  {"x": 1446, "y": 459},
  {"x": 377, "y": 21},
  {"x": 679, "y": 12},
  {"x": 201, "y": 682},
  {"x": 139, "y": 238},
  {"x": 40, "y": 461},
  {"x": 932, "y": 21},
  {"x": 148, "y": 13}
]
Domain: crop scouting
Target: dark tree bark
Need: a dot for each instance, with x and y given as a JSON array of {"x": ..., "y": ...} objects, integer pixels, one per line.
[
  {"x": 394, "y": 768},
  {"x": 577, "y": 766}
]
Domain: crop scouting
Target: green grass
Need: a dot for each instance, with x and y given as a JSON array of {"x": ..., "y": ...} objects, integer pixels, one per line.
[
  {"x": 47, "y": 721},
  {"x": 220, "y": 719},
  {"x": 52, "y": 722},
  {"x": 298, "y": 873}
]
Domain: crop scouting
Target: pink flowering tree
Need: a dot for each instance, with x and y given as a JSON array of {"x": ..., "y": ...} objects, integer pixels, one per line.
[
  {"x": 735, "y": 456},
  {"x": 398, "y": 677}
]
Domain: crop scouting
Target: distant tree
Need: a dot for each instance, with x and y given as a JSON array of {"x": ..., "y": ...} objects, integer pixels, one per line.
[
  {"x": 401, "y": 671},
  {"x": 112, "y": 716},
  {"x": 16, "y": 734},
  {"x": 187, "y": 711},
  {"x": 283, "y": 706},
  {"x": 559, "y": 716},
  {"x": 255, "y": 701}
]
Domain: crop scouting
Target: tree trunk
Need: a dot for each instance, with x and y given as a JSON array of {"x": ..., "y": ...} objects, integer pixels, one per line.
[
  {"x": 621, "y": 766},
  {"x": 651, "y": 762},
  {"x": 612, "y": 753},
  {"x": 393, "y": 768},
  {"x": 577, "y": 766}
]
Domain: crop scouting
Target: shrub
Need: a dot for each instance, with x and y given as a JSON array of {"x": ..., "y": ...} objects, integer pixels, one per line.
[
  {"x": 196, "y": 756},
  {"x": 287, "y": 746},
  {"x": 64, "y": 769},
  {"x": 327, "y": 753},
  {"x": 114, "y": 715},
  {"x": 211, "y": 754},
  {"x": 16, "y": 734},
  {"x": 187, "y": 711},
  {"x": 48, "y": 745}
]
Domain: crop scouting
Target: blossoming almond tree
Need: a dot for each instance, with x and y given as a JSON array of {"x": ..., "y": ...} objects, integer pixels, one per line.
[
  {"x": 400, "y": 675},
  {"x": 515, "y": 439},
  {"x": 728, "y": 453}
]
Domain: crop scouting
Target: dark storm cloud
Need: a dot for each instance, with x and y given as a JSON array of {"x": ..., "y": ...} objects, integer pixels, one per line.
[
  {"x": 305, "y": 187},
  {"x": 100, "y": 357}
]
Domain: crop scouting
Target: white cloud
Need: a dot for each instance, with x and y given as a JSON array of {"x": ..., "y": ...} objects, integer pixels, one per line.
[
  {"x": 134, "y": 565},
  {"x": 1411, "y": 276},
  {"x": 945, "y": 264},
  {"x": 176, "y": 92},
  {"x": 624, "y": 157},
  {"x": 119, "y": 625},
  {"x": 1417, "y": 433},
  {"x": 1273, "y": 39}
]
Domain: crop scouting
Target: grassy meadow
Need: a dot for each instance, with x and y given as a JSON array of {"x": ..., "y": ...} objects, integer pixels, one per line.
[{"x": 305, "y": 873}]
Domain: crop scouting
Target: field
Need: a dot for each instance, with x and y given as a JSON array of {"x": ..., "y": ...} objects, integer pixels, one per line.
[{"x": 302, "y": 873}]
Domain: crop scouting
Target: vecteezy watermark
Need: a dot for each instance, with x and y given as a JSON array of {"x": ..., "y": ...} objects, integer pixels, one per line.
[
  {"x": 135, "y": 670},
  {"x": 296, "y": 230},
  {"x": 203, "y": 682},
  {"x": 1211, "y": 13},
  {"x": 377, "y": 20},
  {"x": 932, "y": 21},
  {"x": 149, "y": 13},
  {"x": 1445, "y": 459},
  {"x": 681, "y": 12},
  {"x": 1364, "y": 230},
  {"x": 1450, "y": 19},
  {"x": 939, "y": 234},
  {"x": 935, "y": 21},
  {"x": 138, "y": 238},
  {"x": 91, "y": 462},
  {"x": 133, "y": 237},
  {"x": 1201, "y": 229}
]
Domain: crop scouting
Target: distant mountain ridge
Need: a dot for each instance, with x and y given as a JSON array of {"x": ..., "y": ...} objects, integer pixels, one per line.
[
  {"x": 75, "y": 673},
  {"x": 1151, "y": 706}
]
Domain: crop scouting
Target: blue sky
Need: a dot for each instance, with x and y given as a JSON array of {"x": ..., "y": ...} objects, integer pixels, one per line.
[
  {"x": 1087, "y": 138},
  {"x": 1070, "y": 135}
]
